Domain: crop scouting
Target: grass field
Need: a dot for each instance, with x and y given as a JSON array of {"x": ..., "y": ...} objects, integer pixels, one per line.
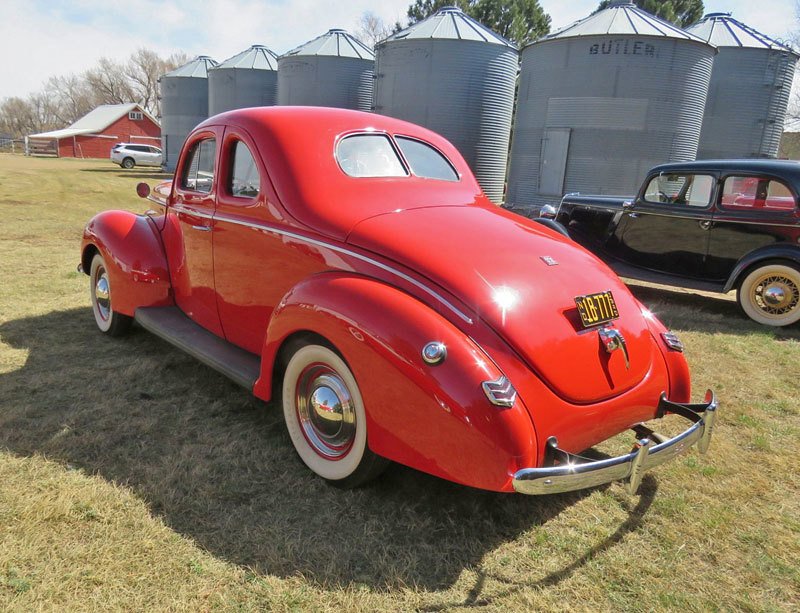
[{"x": 134, "y": 479}]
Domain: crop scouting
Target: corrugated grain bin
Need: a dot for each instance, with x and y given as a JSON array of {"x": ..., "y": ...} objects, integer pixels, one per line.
[
  {"x": 749, "y": 91},
  {"x": 456, "y": 77},
  {"x": 602, "y": 101},
  {"x": 334, "y": 69},
  {"x": 249, "y": 78},
  {"x": 184, "y": 104}
]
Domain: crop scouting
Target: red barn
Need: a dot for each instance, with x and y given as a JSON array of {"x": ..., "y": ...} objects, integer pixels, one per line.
[{"x": 93, "y": 135}]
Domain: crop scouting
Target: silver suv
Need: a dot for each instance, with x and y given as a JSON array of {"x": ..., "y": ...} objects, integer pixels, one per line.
[{"x": 129, "y": 155}]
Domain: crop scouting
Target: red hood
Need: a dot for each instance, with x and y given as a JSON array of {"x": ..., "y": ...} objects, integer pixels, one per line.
[{"x": 493, "y": 261}]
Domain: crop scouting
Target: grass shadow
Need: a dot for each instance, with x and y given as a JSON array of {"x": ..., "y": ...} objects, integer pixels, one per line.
[
  {"x": 686, "y": 310},
  {"x": 148, "y": 172},
  {"x": 216, "y": 464}
]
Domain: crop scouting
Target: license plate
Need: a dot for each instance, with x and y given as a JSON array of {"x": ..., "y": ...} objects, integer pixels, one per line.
[{"x": 596, "y": 309}]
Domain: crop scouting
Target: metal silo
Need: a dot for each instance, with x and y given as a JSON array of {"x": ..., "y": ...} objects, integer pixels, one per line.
[
  {"x": 749, "y": 90},
  {"x": 456, "y": 77},
  {"x": 249, "y": 78},
  {"x": 334, "y": 69},
  {"x": 602, "y": 101},
  {"x": 184, "y": 104}
]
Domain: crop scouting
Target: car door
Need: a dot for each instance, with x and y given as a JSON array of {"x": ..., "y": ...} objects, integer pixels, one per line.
[
  {"x": 189, "y": 229},
  {"x": 254, "y": 267},
  {"x": 752, "y": 211},
  {"x": 667, "y": 228}
]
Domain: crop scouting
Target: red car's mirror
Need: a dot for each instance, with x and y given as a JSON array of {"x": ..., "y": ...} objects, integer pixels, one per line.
[{"x": 143, "y": 190}]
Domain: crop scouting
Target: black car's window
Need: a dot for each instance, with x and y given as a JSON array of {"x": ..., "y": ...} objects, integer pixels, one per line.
[
  {"x": 680, "y": 189},
  {"x": 742, "y": 193},
  {"x": 369, "y": 155},
  {"x": 244, "y": 179},
  {"x": 198, "y": 172},
  {"x": 425, "y": 161}
]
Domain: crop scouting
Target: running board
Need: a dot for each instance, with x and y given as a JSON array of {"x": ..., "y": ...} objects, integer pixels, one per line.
[{"x": 172, "y": 325}]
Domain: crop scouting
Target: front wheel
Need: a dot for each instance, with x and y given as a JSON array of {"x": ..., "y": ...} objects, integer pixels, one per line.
[
  {"x": 108, "y": 320},
  {"x": 770, "y": 294},
  {"x": 325, "y": 417}
]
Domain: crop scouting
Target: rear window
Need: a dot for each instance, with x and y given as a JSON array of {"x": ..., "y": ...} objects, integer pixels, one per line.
[
  {"x": 742, "y": 193},
  {"x": 369, "y": 155},
  {"x": 425, "y": 161}
]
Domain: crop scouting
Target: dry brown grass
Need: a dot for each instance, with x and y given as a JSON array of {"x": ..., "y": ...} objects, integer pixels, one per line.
[{"x": 133, "y": 478}]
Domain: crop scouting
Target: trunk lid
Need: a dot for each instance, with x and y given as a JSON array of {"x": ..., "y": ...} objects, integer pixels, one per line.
[{"x": 521, "y": 279}]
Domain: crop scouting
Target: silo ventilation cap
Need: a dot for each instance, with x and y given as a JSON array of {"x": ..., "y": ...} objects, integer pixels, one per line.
[{"x": 717, "y": 15}]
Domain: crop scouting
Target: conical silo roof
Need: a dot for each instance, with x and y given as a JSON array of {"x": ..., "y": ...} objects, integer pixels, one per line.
[
  {"x": 622, "y": 17},
  {"x": 450, "y": 23},
  {"x": 722, "y": 30},
  {"x": 334, "y": 43},
  {"x": 198, "y": 67},
  {"x": 257, "y": 57}
]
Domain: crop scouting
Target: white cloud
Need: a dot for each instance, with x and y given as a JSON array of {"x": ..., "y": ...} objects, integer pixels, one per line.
[{"x": 43, "y": 39}]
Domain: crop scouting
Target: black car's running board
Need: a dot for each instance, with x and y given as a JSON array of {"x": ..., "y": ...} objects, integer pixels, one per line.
[{"x": 170, "y": 324}]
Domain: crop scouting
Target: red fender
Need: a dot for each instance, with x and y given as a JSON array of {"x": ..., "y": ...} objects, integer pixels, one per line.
[
  {"x": 135, "y": 259},
  {"x": 433, "y": 418}
]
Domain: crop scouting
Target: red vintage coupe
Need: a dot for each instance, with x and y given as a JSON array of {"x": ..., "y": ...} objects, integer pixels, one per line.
[{"x": 348, "y": 265}]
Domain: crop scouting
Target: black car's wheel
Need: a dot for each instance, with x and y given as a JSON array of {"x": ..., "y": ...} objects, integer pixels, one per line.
[
  {"x": 128, "y": 163},
  {"x": 109, "y": 321},
  {"x": 325, "y": 417},
  {"x": 770, "y": 294}
]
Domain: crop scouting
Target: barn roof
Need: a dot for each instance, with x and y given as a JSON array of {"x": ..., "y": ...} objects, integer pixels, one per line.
[{"x": 96, "y": 121}]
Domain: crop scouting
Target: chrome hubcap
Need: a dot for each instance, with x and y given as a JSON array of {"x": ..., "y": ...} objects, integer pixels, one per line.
[
  {"x": 776, "y": 295},
  {"x": 325, "y": 411},
  {"x": 102, "y": 295}
]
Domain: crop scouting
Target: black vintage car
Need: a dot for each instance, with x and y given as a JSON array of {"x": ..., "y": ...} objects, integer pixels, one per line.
[{"x": 710, "y": 225}]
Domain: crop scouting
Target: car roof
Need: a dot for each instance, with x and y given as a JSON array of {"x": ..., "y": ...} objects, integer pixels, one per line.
[
  {"x": 789, "y": 169},
  {"x": 297, "y": 145}
]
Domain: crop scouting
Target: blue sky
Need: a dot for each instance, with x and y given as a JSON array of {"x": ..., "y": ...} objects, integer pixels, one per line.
[{"x": 43, "y": 38}]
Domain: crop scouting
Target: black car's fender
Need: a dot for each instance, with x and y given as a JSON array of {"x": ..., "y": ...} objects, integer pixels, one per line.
[{"x": 770, "y": 252}]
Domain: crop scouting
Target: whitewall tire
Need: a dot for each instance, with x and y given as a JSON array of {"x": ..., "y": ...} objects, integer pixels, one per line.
[
  {"x": 770, "y": 294},
  {"x": 108, "y": 320},
  {"x": 325, "y": 417}
]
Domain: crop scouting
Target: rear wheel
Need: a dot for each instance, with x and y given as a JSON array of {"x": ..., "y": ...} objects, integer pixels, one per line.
[
  {"x": 128, "y": 163},
  {"x": 770, "y": 294},
  {"x": 325, "y": 417},
  {"x": 109, "y": 321}
]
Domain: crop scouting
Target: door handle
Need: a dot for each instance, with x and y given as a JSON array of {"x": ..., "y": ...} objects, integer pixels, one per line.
[
  {"x": 633, "y": 215},
  {"x": 202, "y": 228},
  {"x": 705, "y": 224}
]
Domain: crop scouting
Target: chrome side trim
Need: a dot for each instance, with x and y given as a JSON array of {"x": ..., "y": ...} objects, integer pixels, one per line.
[
  {"x": 335, "y": 248},
  {"x": 574, "y": 472}
]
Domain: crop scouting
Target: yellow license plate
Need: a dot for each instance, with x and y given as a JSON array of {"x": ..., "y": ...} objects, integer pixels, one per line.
[{"x": 596, "y": 309}]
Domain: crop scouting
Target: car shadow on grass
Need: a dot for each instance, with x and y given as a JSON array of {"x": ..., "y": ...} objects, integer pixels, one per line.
[
  {"x": 148, "y": 172},
  {"x": 217, "y": 466},
  {"x": 684, "y": 310}
]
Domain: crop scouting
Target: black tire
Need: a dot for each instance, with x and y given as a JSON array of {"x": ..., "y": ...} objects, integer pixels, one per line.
[
  {"x": 770, "y": 293},
  {"x": 108, "y": 321},
  {"x": 325, "y": 417},
  {"x": 128, "y": 163}
]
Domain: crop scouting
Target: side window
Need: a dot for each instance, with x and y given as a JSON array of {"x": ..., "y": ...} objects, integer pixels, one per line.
[
  {"x": 742, "y": 193},
  {"x": 244, "y": 180},
  {"x": 425, "y": 161},
  {"x": 680, "y": 189},
  {"x": 369, "y": 155},
  {"x": 198, "y": 172}
]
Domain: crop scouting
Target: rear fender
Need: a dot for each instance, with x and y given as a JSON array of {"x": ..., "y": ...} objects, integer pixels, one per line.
[
  {"x": 137, "y": 266},
  {"x": 433, "y": 418},
  {"x": 788, "y": 252}
]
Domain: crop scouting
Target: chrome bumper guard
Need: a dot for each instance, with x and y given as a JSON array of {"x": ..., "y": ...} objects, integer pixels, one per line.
[{"x": 565, "y": 472}]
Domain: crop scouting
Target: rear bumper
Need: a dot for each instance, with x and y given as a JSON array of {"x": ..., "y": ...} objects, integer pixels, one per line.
[{"x": 565, "y": 472}]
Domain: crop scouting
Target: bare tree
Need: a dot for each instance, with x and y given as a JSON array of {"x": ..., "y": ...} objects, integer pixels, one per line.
[
  {"x": 110, "y": 83},
  {"x": 143, "y": 70},
  {"x": 372, "y": 29},
  {"x": 792, "y": 121}
]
